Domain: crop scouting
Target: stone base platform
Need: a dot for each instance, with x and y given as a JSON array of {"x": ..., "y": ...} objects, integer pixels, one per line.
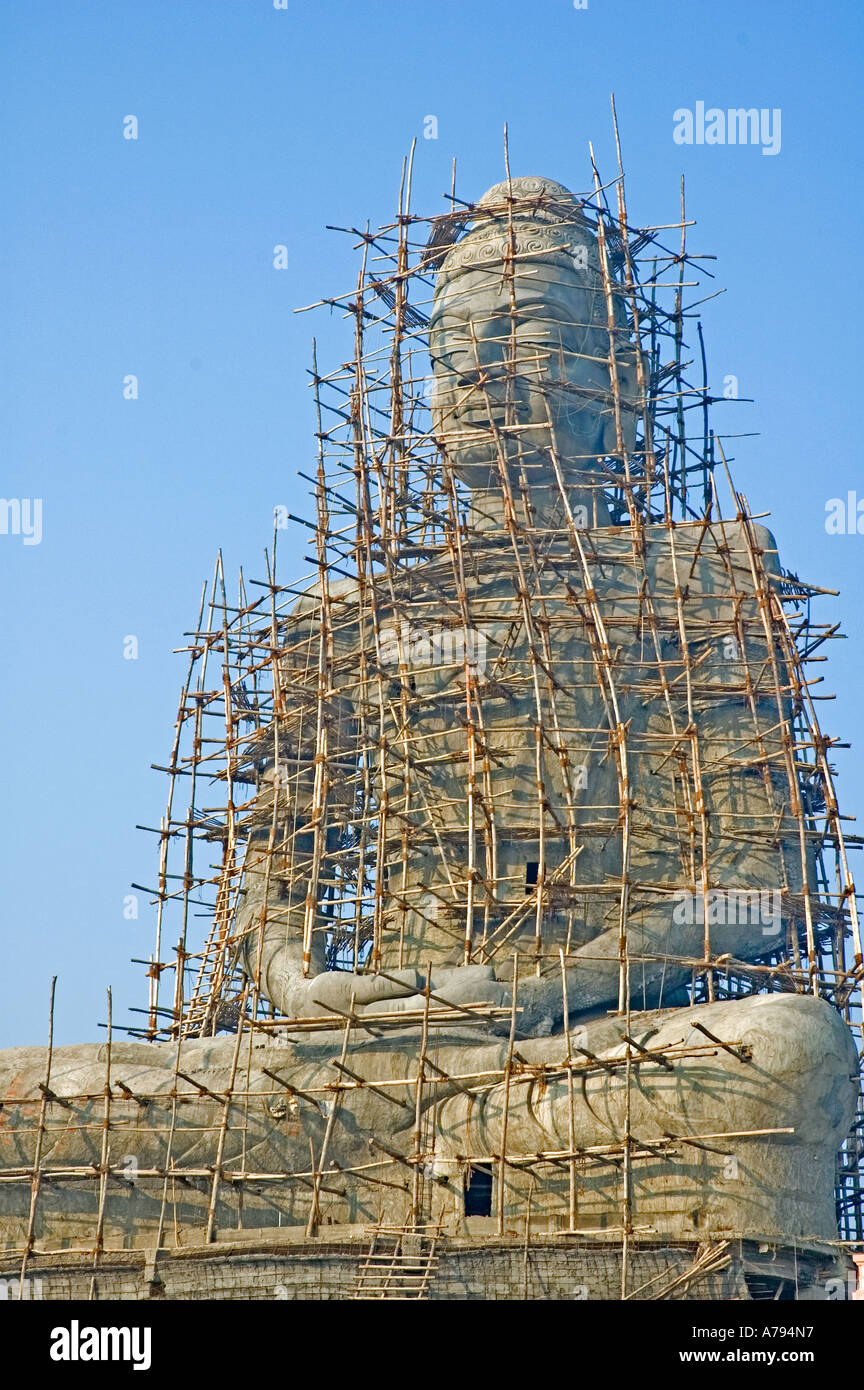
[{"x": 282, "y": 1265}]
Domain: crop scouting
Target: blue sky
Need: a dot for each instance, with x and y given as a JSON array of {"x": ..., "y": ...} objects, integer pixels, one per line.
[{"x": 258, "y": 126}]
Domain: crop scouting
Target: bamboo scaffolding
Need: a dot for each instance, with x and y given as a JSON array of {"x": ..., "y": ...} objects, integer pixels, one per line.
[{"x": 370, "y": 797}]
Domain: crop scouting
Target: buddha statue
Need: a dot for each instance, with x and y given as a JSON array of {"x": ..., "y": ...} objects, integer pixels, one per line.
[
  {"x": 575, "y": 617},
  {"x": 576, "y": 722}
]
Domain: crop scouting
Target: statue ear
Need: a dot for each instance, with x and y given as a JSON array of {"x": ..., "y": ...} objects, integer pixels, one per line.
[
  {"x": 628, "y": 391},
  {"x": 608, "y": 435}
]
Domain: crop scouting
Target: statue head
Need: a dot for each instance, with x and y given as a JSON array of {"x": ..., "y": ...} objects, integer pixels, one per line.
[{"x": 519, "y": 340}]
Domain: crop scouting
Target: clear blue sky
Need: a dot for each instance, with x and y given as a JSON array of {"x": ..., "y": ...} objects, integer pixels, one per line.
[{"x": 258, "y": 126}]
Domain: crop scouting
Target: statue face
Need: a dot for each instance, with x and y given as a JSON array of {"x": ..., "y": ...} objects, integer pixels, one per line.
[{"x": 513, "y": 364}]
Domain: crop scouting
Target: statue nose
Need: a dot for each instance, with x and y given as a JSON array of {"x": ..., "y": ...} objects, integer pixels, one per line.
[
  {"x": 488, "y": 372},
  {"x": 487, "y": 389},
  {"x": 482, "y": 355}
]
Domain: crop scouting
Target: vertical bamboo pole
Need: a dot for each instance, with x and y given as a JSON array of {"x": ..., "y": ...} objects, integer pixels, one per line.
[
  {"x": 104, "y": 1157},
  {"x": 417, "y": 1176},
  {"x": 36, "y": 1177},
  {"x": 318, "y": 1168},
  {"x": 508, "y": 1071},
  {"x": 224, "y": 1122}
]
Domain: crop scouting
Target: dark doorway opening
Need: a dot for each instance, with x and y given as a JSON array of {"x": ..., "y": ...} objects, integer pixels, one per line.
[{"x": 478, "y": 1191}]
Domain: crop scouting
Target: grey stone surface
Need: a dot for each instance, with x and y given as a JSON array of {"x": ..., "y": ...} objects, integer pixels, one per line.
[{"x": 546, "y": 1268}]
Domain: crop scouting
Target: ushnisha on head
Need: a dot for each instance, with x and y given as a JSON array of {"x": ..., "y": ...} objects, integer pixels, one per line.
[{"x": 519, "y": 339}]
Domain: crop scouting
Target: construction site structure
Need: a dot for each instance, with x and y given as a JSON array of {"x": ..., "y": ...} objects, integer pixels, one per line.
[{"x": 506, "y": 938}]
